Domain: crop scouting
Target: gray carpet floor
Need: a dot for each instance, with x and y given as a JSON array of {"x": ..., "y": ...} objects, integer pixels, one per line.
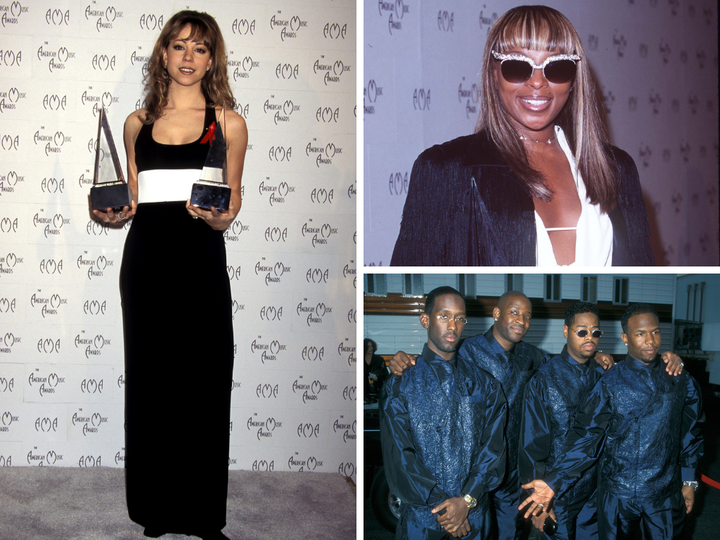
[{"x": 51, "y": 503}]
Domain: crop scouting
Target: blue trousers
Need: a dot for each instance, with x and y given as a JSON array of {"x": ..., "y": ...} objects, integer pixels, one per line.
[
  {"x": 622, "y": 520},
  {"x": 511, "y": 525}
]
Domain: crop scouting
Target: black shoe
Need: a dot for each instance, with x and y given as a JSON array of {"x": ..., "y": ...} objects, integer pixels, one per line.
[{"x": 153, "y": 533}]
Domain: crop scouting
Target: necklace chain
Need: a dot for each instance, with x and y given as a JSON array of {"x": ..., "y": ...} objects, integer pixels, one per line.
[{"x": 549, "y": 141}]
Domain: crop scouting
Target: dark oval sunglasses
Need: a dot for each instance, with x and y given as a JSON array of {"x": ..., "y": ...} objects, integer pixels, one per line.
[
  {"x": 557, "y": 69},
  {"x": 582, "y": 332}
]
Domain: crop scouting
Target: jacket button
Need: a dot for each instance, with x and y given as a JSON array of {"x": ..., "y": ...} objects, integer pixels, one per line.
[{"x": 438, "y": 429}]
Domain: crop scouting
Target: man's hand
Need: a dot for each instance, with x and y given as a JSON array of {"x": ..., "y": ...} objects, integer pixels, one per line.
[
  {"x": 688, "y": 493},
  {"x": 455, "y": 516},
  {"x": 400, "y": 362},
  {"x": 674, "y": 363},
  {"x": 604, "y": 359},
  {"x": 538, "y": 500},
  {"x": 462, "y": 530},
  {"x": 539, "y": 521}
]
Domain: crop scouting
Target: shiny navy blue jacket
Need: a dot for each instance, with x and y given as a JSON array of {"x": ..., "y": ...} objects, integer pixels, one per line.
[
  {"x": 552, "y": 398},
  {"x": 649, "y": 424},
  {"x": 513, "y": 370},
  {"x": 442, "y": 426},
  {"x": 465, "y": 207}
]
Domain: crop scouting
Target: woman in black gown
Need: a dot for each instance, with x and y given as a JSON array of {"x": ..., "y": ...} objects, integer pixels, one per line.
[{"x": 175, "y": 289}]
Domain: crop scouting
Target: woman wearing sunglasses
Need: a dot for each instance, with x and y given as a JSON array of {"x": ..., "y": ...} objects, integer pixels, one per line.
[{"x": 538, "y": 184}]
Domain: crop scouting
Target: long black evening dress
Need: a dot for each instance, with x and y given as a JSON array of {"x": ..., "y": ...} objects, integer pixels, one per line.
[{"x": 177, "y": 314}]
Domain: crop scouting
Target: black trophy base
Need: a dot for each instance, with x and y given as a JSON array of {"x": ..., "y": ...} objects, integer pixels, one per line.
[
  {"x": 211, "y": 194},
  {"x": 113, "y": 195}
]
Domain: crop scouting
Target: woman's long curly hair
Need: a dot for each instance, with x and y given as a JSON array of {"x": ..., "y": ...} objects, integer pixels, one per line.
[
  {"x": 215, "y": 85},
  {"x": 540, "y": 28}
]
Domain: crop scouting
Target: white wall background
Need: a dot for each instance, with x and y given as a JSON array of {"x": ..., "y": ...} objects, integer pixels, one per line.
[
  {"x": 657, "y": 62},
  {"x": 291, "y": 250},
  {"x": 395, "y": 333}
]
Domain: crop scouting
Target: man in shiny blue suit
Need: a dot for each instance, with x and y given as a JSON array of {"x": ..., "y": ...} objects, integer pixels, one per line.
[
  {"x": 642, "y": 427},
  {"x": 552, "y": 397},
  {"x": 442, "y": 427}
]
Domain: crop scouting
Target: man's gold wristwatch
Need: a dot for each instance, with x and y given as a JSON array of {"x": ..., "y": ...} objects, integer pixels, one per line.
[{"x": 470, "y": 501}]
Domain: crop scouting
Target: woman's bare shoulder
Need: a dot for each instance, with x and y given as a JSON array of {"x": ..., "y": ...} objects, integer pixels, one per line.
[
  {"x": 134, "y": 122},
  {"x": 234, "y": 124}
]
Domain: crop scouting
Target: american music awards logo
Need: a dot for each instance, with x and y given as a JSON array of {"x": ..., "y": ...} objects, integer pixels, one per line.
[
  {"x": 95, "y": 267},
  {"x": 90, "y": 424},
  {"x": 309, "y": 391},
  {"x": 98, "y": 101},
  {"x": 104, "y": 19},
  {"x": 397, "y": 10},
  {"x": 8, "y": 182},
  {"x": 276, "y": 194},
  {"x": 295, "y": 463},
  {"x": 7, "y": 385},
  {"x": 370, "y": 94},
  {"x": 9, "y": 99},
  {"x": 235, "y": 230},
  {"x": 313, "y": 313},
  {"x": 280, "y": 110},
  {"x": 36, "y": 458},
  {"x": 269, "y": 350},
  {"x": 6, "y": 420},
  {"x": 264, "y": 429},
  {"x": 57, "y": 60},
  {"x": 92, "y": 346},
  {"x": 289, "y": 26},
  {"x": 45, "y": 384},
  {"x": 469, "y": 94},
  {"x": 347, "y": 351},
  {"x": 350, "y": 271},
  {"x": 346, "y": 429},
  {"x": 332, "y": 71},
  {"x": 241, "y": 69},
  {"x": 52, "y": 143},
  {"x": 7, "y": 342},
  {"x": 11, "y": 13},
  {"x": 49, "y": 304},
  {"x": 323, "y": 154},
  {"x": 9, "y": 263},
  {"x": 318, "y": 235}
]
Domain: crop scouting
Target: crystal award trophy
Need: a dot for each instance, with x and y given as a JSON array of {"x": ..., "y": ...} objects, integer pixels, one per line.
[
  {"x": 211, "y": 190},
  {"x": 109, "y": 189}
]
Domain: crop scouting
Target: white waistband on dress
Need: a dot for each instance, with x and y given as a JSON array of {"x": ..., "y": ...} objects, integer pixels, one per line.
[{"x": 166, "y": 185}]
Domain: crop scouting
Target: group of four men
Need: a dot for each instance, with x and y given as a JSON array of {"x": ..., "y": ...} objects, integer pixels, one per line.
[{"x": 600, "y": 450}]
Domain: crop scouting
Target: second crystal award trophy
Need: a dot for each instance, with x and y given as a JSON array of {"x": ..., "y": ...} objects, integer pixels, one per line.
[
  {"x": 211, "y": 190},
  {"x": 109, "y": 189}
]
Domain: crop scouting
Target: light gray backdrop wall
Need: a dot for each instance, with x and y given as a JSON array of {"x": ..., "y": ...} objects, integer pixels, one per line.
[
  {"x": 291, "y": 250},
  {"x": 657, "y": 62}
]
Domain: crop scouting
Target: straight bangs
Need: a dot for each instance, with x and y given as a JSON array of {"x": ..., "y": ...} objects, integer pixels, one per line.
[
  {"x": 199, "y": 32},
  {"x": 537, "y": 30}
]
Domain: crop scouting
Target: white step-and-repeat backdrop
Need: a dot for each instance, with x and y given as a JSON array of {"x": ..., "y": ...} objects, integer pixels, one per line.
[
  {"x": 291, "y": 250},
  {"x": 657, "y": 65}
]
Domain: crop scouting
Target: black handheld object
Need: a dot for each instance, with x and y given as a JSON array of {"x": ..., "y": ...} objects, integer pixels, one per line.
[
  {"x": 550, "y": 526},
  {"x": 211, "y": 190},
  {"x": 109, "y": 189}
]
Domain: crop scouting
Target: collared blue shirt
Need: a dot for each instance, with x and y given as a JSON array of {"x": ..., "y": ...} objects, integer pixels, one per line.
[
  {"x": 649, "y": 423},
  {"x": 442, "y": 428},
  {"x": 552, "y": 398}
]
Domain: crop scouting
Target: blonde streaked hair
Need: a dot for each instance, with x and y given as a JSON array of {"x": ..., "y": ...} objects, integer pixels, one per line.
[
  {"x": 215, "y": 85},
  {"x": 541, "y": 28}
]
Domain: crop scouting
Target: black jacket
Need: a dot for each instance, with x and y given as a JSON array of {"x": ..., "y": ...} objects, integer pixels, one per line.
[{"x": 465, "y": 207}]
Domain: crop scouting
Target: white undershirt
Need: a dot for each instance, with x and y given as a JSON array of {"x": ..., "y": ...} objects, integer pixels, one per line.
[{"x": 594, "y": 233}]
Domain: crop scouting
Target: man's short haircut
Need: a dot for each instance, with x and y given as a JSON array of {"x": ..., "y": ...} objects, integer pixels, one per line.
[
  {"x": 439, "y": 291},
  {"x": 636, "y": 309},
  {"x": 578, "y": 308}
]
